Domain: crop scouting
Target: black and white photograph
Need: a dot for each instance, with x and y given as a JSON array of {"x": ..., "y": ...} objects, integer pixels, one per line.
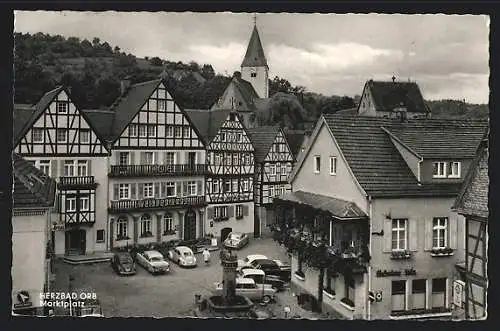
[{"x": 250, "y": 165}]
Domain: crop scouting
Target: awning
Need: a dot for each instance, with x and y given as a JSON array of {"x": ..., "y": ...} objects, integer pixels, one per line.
[{"x": 339, "y": 208}]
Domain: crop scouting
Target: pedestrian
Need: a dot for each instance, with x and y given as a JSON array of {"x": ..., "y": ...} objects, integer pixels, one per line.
[{"x": 206, "y": 255}]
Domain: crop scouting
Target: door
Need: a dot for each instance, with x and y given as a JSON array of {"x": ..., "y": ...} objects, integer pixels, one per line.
[
  {"x": 224, "y": 233},
  {"x": 75, "y": 242},
  {"x": 190, "y": 225}
]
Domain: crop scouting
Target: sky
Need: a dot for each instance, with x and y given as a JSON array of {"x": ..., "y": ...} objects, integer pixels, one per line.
[{"x": 332, "y": 54}]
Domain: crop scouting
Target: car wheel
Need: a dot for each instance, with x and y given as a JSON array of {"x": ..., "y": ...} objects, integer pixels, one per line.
[{"x": 266, "y": 299}]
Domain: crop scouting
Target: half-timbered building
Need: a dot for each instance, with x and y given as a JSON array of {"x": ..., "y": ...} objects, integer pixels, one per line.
[
  {"x": 58, "y": 138},
  {"x": 156, "y": 168},
  {"x": 369, "y": 220},
  {"x": 230, "y": 179},
  {"x": 472, "y": 202},
  {"x": 273, "y": 165}
]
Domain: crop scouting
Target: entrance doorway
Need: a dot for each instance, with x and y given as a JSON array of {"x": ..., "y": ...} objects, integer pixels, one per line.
[
  {"x": 224, "y": 233},
  {"x": 190, "y": 225},
  {"x": 75, "y": 242}
]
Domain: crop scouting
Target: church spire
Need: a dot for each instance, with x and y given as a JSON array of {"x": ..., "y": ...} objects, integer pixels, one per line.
[{"x": 254, "y": 57}]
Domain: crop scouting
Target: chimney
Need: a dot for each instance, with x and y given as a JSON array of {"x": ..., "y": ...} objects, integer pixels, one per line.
[{"x": 124, "y": 86}]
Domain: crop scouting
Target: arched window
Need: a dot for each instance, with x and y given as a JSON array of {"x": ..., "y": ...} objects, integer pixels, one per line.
[
  {"x": 121, "y": 228},
  {"x": 146, "y": 226},
  {"x": 168, "y": 226}
]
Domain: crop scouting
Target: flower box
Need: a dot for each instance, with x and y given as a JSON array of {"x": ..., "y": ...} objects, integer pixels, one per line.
[
  {"x": 401, "y": 255},
  {"x": 347, "y": 303},
  {"x": 299, "y": 275},
  {"x": 438, "y": 252},
  {"x": 221, "y": 219},
  {"x": 169, "y": 233},
  {"x": 147, "y": 234},
  {"x": 330, "y": 293},
  {"x": 122, "y": 238}
]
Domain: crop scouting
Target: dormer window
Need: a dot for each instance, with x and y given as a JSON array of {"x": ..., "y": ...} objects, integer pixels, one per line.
[
  {"x": 439, "y": 170},
  {"x": 454, "y": 171}
]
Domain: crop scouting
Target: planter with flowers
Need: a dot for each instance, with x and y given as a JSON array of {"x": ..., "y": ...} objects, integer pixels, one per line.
[
  {"x": 121, "y": 237},
  {"x": 438, "y": 252},
  {"x": 169, "y": 232},
  {"x": 401, "y": 255},
  {"x": 147, "y": 234}
]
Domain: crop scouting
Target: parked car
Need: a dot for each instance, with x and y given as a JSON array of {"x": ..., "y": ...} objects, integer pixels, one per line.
[
  {"x": 248, "y": 288},
  {"x": 260, "y": 277},
  {"x": 183, "y": 256},
  {"x": 273, "y": 267},
  {"x": 236, "y": 240},
  {"x": 247, "y": 260},
  {"x": 153, "y": 262},
  {"x": 123, "y": 264}
]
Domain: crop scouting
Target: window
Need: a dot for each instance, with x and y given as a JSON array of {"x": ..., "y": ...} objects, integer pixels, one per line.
[
  {"x": 253, "y": 74},
  {"x": 454, "y": 171},
  {"x": 440, "y": 232},
  {"x": 121, "y": 228},
  {"x": 82, "y": 168},
  {"x": 178, "y": 132},
  {"x": 187, "y": 131},
  {"x": 333, "y": 165},
  {"x": 62, "y": 135},
  {"x": 317, "y": 164},
  {"x": 162, "y": 105},
  {"x": 271, "y": 191},
  {"x": 272, "y": 170},
  {"x": 84, "y": 135},
  {"x": 37, "y": 135},
  {"x": 170, "y": 131},
  {"x": 223, "y": 211},
  {"x": 216, "y": 212},
  {"x": 167, "y": 223},
  {"x": 45, "y": 167},
  {"x": 170, "y": 189},
  {"x": 217, "y": 159},
  {"x": 236, "y": 159},
  {"x": 100, "y": 236},
  {"x": 124, "y": 191},
  {"x": 245, "y": 185},
  {"x": 418, "y": 290},
  {"x": 283, "y": 189},
  {"x": 223, "y": 136},
  {"x": 151, "y": 130},
  {"x": 149, "y": 158},
  {"x": 239, "y": 137},
  {"x": 124, "y": 158},
  {"x": 145, "y": 226},
  {"x": 247, "y": 159},
  {"x": 278, "y": 168},
  {"x": 192, "y": 187},
  {"x": 239, "y": 211},
  {"x": 148, "y": 190},
  {"x": 84, "y": 203},
  {"x": 62, "y": 107},
  {"x": 70, "y": 203},
  {"x": 398, "y": 295},
  {"x": 439, "y": 170},
  {"x": 215, "y": 186},
  {"x": 235, "y": 185},
  {"x": 399, "y": 234},
  {"x": 227, "y": 159},
  {"x": 438, "y": 293},
  {"x": 69, "y": 168},
  {"x": 132, "y": 130},
  {"x": 283, "y": 169},
  {"x": 142, "y": 130},
  {"x": 227, "y": 185},
  {"x": 169, "y": 158}
]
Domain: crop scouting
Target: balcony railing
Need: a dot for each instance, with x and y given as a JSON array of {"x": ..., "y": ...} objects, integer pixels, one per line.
[
  {"x": 82, "y": 181},
  {"x": 158, "y": 170},
  {"x": 156, "y": 204}
]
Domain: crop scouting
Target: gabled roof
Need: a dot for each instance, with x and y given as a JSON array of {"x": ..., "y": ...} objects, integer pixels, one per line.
[
  {"x": 348, "y": 111},
  {"x": 21, "y": 116},
  {"x": 39, "y": 108},
  {"x": 128, "y": 105},
  {"x": 375, "y": 162},
  {"x": 101, "y": 121},
  {"x": 439, "y": 143},
  {"x": 473, "y": 197},
  {"x": 262, "y": 138},
  {"x": 254, "y": 57},
  {"x": 207, "y": 122},
  {"x": 32, "y": 188},
  {"x": 247, "y": 91},
  {"x": 295, "y": 139},
  {"x": 337, "y": 207},
  {"x": 390, "y": 95}
]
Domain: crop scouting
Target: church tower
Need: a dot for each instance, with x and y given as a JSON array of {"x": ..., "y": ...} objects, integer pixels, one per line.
[{"x": 254, "y": 67}]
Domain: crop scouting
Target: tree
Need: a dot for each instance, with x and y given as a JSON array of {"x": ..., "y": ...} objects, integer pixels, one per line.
[
  {"x": 207, "y": 71},
  {"x": 156, "y": 61}
]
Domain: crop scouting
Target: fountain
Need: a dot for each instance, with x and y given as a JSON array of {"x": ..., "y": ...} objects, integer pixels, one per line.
[{"x": 228, "y": 301}]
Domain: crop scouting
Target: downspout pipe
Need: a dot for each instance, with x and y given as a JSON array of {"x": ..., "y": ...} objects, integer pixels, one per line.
[{"x": 370, "y": 215}]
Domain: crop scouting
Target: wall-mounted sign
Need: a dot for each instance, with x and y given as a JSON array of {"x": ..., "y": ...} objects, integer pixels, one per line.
[
  {"x": 375, "y": 296},
  {"x": 59, "y": 227},
  {"x": 392, "y": 273},
  {"x": 458, "y": 293},
  {"x": 23, "y": 300}
]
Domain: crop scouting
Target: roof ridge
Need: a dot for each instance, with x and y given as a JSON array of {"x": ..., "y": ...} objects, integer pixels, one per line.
[{"x": 146, "y": 82}]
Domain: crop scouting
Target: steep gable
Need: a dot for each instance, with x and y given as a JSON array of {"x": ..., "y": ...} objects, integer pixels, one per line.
[
  {"x": 57, "y": 127},
  {"x": 263, "y": 138},
  {"x": 254, "y": 56},
  {"x": 390, "y": 95}
]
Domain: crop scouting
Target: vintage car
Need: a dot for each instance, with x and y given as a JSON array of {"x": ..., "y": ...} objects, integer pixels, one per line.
[
  {"x": 123, "y": 264},
  {"x": 260, "y": 277},
  {"x": 153, "y": 262},
  {"x": 236, "y": 240},
  {"x": 273, "y": 267},
  {"x": 245, "y": 263},
  {"x": 183, "y": 256},
  {"x": 248, "y": 288}
]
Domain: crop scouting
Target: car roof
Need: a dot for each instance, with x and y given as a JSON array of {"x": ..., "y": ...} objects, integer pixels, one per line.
[
  {"x": 252, "y": 272},
  {"x": 264, "y": 262},
  {"x": 256, "y": 257},
  {"x": 153, "y": 253},
  {"x": 236, "y": 233},
  {"x": 245, "y": 280},
  {"x": 184, "y": 249}
]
